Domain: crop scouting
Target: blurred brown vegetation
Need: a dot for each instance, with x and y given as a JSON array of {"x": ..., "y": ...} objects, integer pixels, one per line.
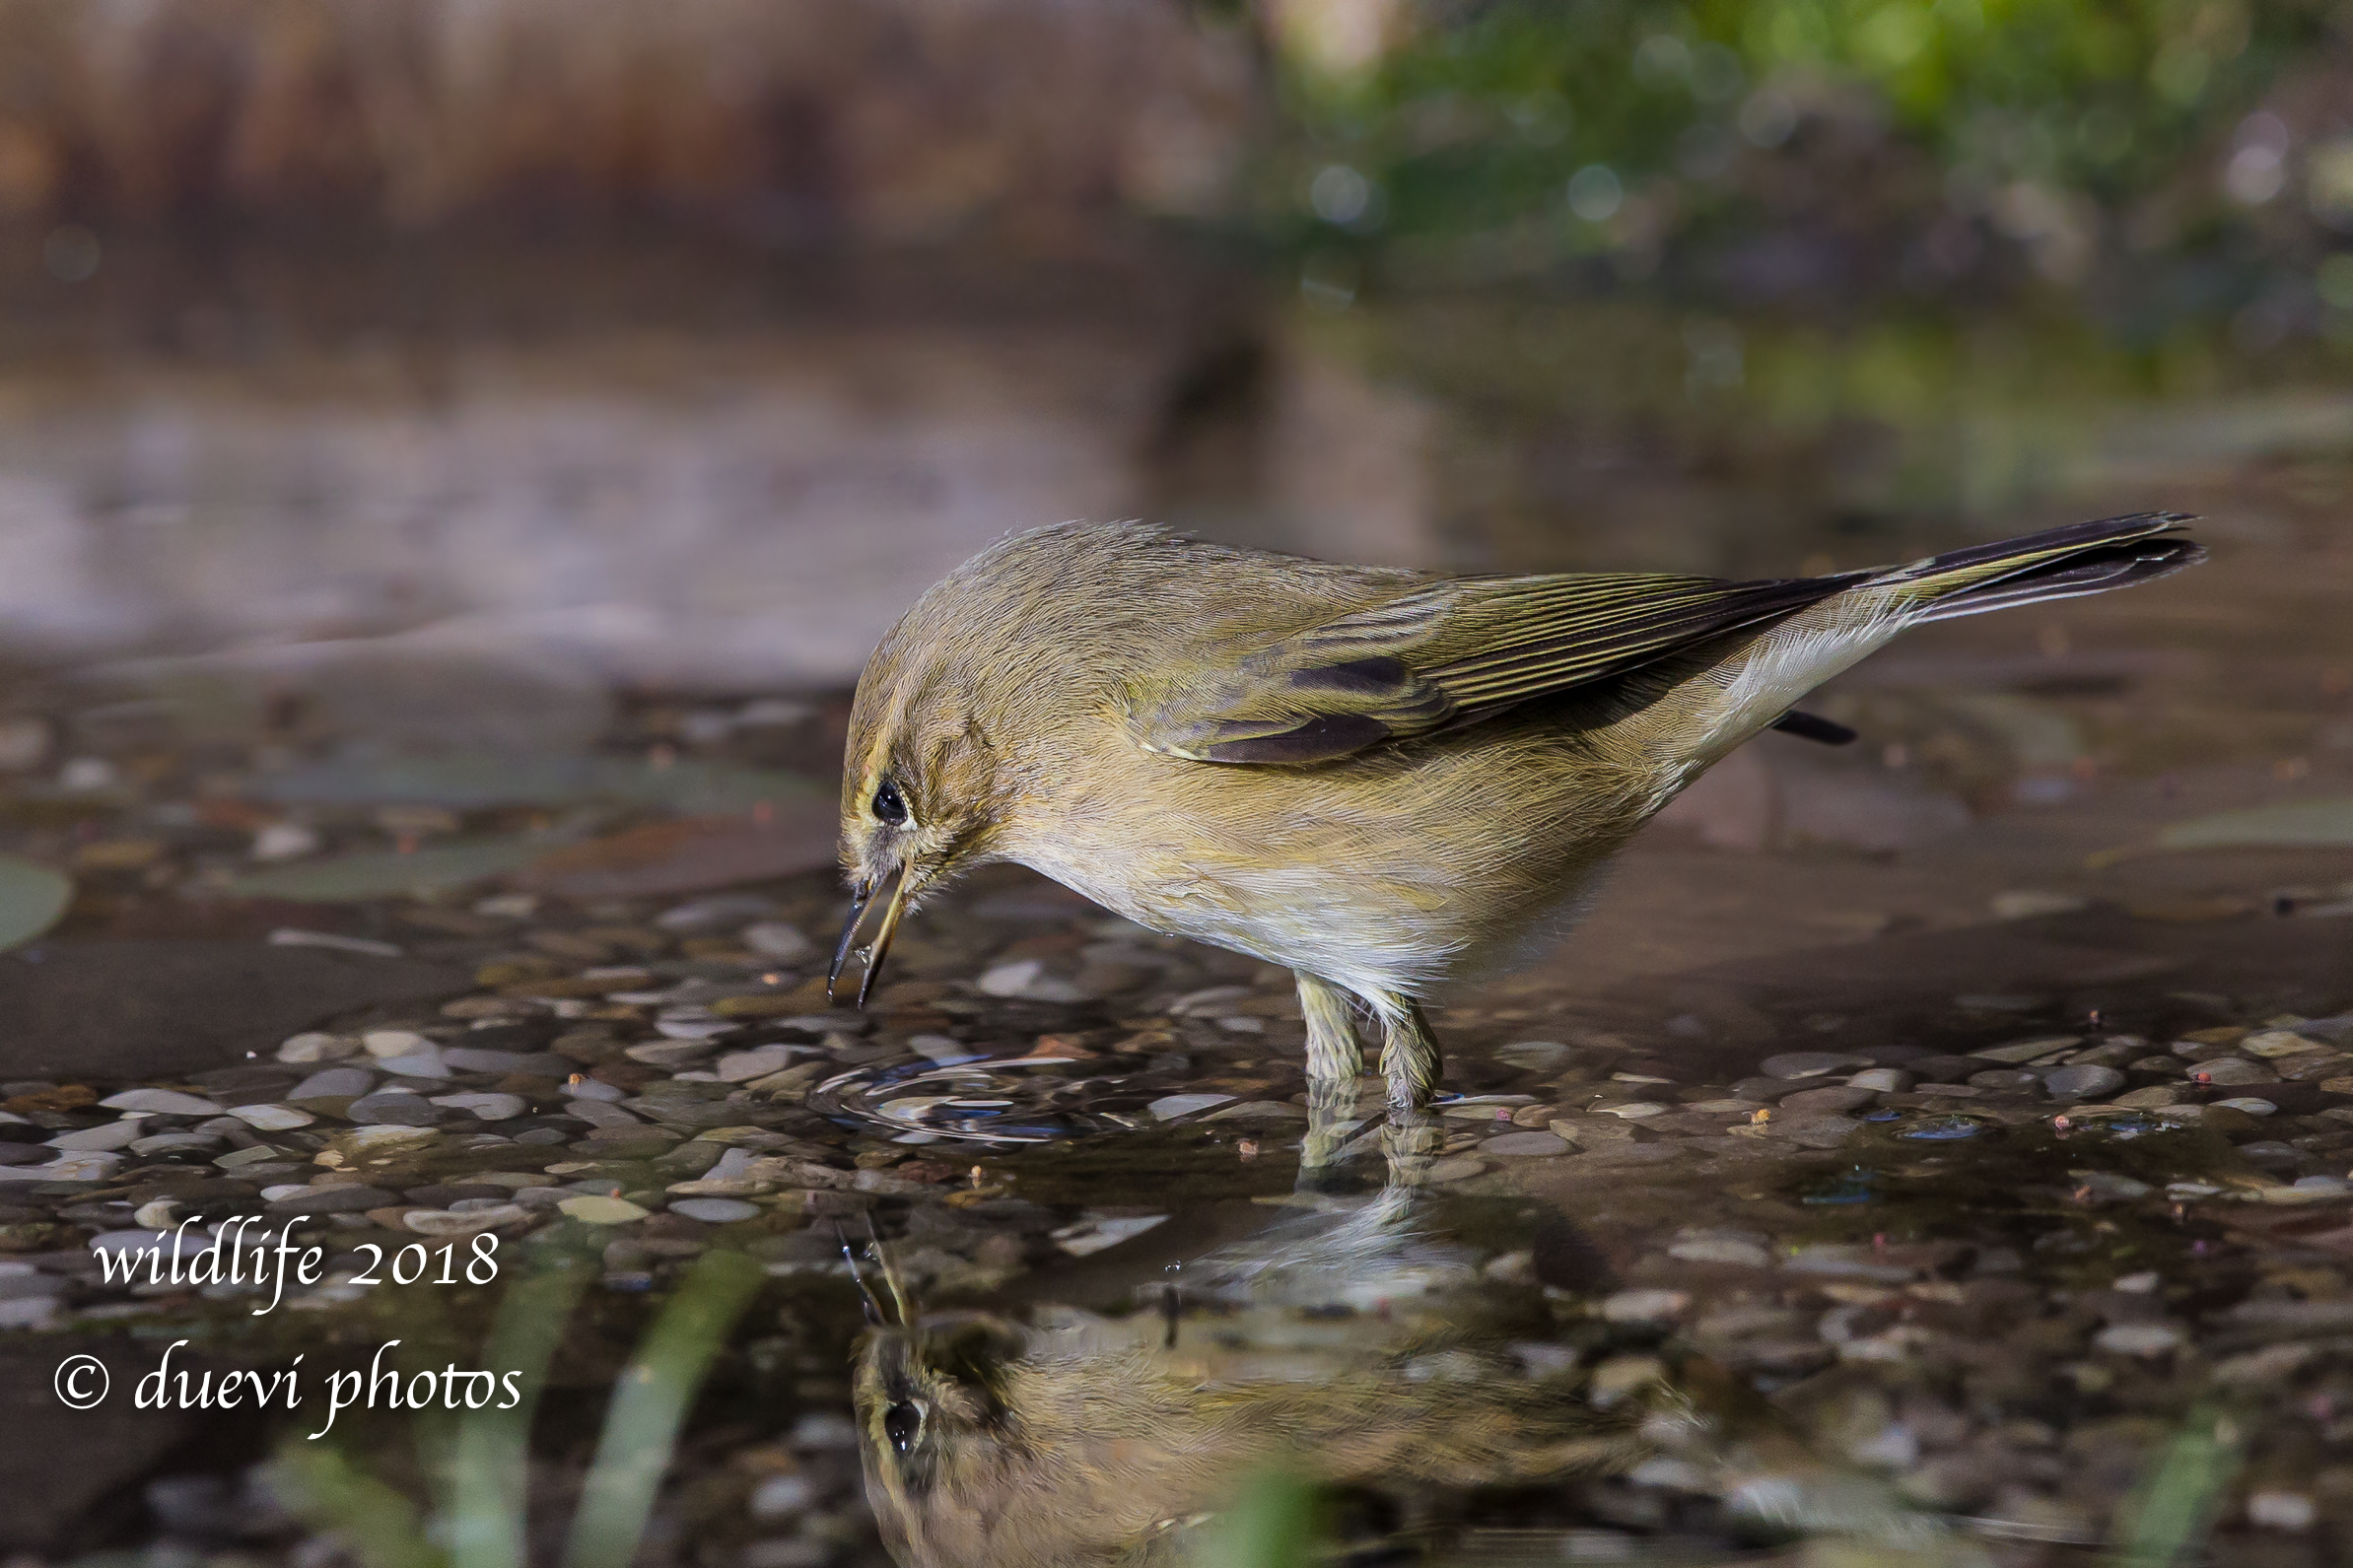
[{"x": 882, "y": 120}]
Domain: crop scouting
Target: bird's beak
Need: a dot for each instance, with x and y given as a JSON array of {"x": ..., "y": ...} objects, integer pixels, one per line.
[{"x": 861, "y": 898}]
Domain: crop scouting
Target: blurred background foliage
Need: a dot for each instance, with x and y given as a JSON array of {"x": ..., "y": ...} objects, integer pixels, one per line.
[
  {"x": 1775, "y": 148},
  {"x": 2169, "y": 156}
]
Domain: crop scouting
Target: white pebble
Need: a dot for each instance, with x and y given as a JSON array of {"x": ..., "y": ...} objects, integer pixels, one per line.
[
  {"x": 2292, "y": 1512},
  {"x": 312, "y": 1046},
  {"x": 284, "y": 841},
  {"x": 2138, "y": 1338},
  {"x": 159, "y": 1102},
  {"x": 394, "y": 1043},
  {"x": 691, "y": 1026},
  {"x": 775, "y": 939},
  {"x": 89, "y": 1141},
  {"x": 1646, "y": 1305},
  {"x": 271, "y": 1117},
  {"x": 781, "y": 1496}
]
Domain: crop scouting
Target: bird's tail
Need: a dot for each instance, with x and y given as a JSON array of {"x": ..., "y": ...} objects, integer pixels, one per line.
[
  {"x": 1757, "y": 682},
  {"x": 2059, "y": 564}
]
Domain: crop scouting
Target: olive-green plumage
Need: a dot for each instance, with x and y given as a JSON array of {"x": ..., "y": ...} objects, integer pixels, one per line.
[{"x": 1380, "y": 779}]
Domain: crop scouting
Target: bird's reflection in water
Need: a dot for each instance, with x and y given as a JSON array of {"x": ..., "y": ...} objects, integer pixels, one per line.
[{"x": 1412, "y": 1352}]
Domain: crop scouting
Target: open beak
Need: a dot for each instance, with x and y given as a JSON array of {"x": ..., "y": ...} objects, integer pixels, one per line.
[{"x": 861, "y": 896}]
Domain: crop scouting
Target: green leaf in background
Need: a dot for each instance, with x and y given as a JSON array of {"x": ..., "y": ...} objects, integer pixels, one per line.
[
  {"x": 386, "y": 874},
  {"x": 2305, "y": 822},
  {"x": 2164, "y": 1520},
  {"x": 1272, "y": 1523},
  {"x": 483, "y": 1511},
  {"x": 328, "y": 1487},
  {"x": 650, "y": 1400},
  {"x": 32, "y": 897}
]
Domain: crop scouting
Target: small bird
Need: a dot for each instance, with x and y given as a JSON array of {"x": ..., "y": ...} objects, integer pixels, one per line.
[{"x": 1382, "y": 780}]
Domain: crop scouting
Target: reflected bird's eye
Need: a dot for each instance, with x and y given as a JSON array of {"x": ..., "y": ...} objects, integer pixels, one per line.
[
  {"x": 888, "y": 807},
  {"x": 901, "y": 1423}
]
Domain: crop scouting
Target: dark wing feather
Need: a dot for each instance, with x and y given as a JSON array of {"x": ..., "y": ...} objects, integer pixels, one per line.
[{"x": 1450, "y": 652}]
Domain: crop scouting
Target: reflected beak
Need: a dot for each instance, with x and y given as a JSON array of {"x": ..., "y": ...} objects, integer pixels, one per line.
[{"x": 860, "y": 899}]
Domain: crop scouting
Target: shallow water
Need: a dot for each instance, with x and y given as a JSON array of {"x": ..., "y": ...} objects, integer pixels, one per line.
[{"x": 1918, "y": 1143}]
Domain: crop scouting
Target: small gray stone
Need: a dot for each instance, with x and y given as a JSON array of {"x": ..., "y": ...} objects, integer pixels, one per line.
[
  {"x": 597, "y": 1113},
  {"x": 1828, "y": 1101},
  {"x": 171, "y": 1142},
  {"x": 1882, "y": 1080},
  {"x": 1526, "y": 1145},
  {"x": 333, "y": 1082},
  {"x": 742, "y": 1066},
  {"x": 723, "y": 909},
  {"x": 393, "y": 1105},
  {"x": 416, "y": 1064},
  {"x": 2231, "y": 1072},
  {"x": 334, "y": 1200},
  {"x": 488, "y": 1106},
  {"x": 2018, "y": 1052},
  {"x": 70, "y": 1164},
  {"x": 1810, "y": 1063},
  {"x": 536, "y": 1063},
  {"x": 689, "y": 1029},
  {"x": 715, "y": 1210},
  {"x": 673, "y": 1054},
  {"x": 1814, "y": 1131},
  {"x": 2083, "y": 1082}
]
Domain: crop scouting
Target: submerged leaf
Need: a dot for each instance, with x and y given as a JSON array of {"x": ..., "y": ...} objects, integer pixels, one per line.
[
  {"x": 693, "y": 853},
  {"x": 32, "y": 897},
  {"x": 2304, "y": 822},
  {"x": 478, "y": 780},
  {"x": 386, "y": 874}
]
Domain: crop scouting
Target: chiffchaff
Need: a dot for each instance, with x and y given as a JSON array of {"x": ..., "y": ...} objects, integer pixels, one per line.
[{"x": 1382, "y": 780}]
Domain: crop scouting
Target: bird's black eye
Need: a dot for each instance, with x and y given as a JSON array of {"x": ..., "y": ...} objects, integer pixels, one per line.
[
  {"x": 888, "y": 807},
  {"x": 901, "y": 1423}
]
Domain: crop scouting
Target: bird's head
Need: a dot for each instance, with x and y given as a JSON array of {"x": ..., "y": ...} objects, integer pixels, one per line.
[{"x": 923, "y": 785}]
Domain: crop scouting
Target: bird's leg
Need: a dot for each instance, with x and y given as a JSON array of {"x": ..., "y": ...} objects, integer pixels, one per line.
[
  {"x": 1409, "y": 1052},
  {"x": 1332, "y": 1063}
]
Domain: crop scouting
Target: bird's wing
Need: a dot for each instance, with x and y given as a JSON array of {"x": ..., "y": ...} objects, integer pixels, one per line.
[{"x": 1444, "y": 655}]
